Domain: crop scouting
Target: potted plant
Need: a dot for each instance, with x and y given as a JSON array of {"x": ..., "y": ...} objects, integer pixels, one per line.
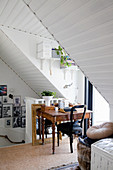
[
  {"x": 63, "y": 56},
  {"x": 48, "y": 95}
]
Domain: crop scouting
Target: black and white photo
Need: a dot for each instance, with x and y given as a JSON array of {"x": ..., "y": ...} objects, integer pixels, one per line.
[
  {"x": 7, "y": 110},
  {"x": 8, "y": 122},
  {"x": 23, "y": 109},
  {"x": 0, "y": 112},
  {"x": 5, "y": 99},
  {"x": 1, "y": 100},
  {"x": 17, "y": 100},
  {"x": 16, "y": 111},
  {"x": 16, "y": 122},
  {"x": 23, "y": 123}
]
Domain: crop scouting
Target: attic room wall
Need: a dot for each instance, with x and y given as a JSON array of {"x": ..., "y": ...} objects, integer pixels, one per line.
[
  {"x": 111, "y": 113},
  {"x": 9, "y": 78},
  {"x": 27, "y": 44}
]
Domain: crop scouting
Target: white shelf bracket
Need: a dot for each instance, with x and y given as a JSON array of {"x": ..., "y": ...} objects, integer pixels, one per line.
[
  {"x": 72, "y": 73},
  {"x": 65, "y": 71}
]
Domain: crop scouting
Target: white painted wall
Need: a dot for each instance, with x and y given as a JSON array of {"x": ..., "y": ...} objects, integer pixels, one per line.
[
  {"x": 8, "y": 77},
  {"x": 111, "y": 113},
  {"x": 27, "y": 44},
  {"x": 81, "y": 84},
  {"x": 101, "y": 111}
]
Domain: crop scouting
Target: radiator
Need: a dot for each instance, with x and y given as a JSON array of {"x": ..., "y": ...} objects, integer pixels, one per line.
[{"x": 102, "y": 154}]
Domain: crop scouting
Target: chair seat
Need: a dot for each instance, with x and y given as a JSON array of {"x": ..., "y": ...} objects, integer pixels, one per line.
[
  {"x": 66, "y": 128},
  {"x": 48, "y": 122}
]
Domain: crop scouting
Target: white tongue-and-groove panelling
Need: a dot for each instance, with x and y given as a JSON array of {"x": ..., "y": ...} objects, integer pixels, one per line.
[{"x": 84, "y": 28}]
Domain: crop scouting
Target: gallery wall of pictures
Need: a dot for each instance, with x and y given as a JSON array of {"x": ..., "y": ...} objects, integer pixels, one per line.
[{"x": 14, "y": 113}]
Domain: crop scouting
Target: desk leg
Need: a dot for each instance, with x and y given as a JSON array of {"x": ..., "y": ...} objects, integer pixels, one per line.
[
  {"x": 53, "y": 136},
  {"x": 43, "y": 130}
]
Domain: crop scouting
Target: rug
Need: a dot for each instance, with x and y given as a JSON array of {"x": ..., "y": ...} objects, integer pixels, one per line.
[{"x": 71, "y": 166}]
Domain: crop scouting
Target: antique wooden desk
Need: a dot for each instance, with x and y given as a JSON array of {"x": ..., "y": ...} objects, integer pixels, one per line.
[{"x": 56, "y": 116}]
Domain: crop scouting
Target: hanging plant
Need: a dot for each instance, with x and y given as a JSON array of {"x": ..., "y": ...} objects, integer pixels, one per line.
[{"x": 63, "y": 56}]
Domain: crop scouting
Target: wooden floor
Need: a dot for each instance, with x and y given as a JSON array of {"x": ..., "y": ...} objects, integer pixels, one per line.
[{"x": 40, "y": 157}]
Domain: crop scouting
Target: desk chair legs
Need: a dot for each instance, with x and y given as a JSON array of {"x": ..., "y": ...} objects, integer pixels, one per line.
[
  {"x": 58, "y": 138},
  {"x": 71, "y": 143}
]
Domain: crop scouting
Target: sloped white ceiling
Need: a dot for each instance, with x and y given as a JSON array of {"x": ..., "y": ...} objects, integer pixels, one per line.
[
  {"x": 83, "y": 27},
  {"x": 15, "y": 14}
]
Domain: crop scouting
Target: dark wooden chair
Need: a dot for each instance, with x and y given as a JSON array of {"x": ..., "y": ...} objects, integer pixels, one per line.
[{"x": 71, "y": 127}]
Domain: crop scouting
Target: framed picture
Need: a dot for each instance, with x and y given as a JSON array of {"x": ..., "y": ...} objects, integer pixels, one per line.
[
  {"x": 16, "y": 122},
  {"x": 0, "y": 111},
  {"x": 23, "y": 109},
  {"x": 3, "y": 90},
  {"x": 8, "y": 122},
  {"x": 16, "y": 111},
  {"x": 23, "y": 123},
  {"x": 1, "y": 100},
  {"x": 17, "y": 100},
  {"x": 7, "y": 110},
  {"x": 5, "y": 99}
]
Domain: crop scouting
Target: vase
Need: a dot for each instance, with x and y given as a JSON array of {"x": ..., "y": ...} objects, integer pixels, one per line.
[{"x": 47, "y": 100}]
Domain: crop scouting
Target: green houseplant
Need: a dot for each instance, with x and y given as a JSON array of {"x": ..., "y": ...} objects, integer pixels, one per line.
[
  {"x": 48, "y": 93},
  {"x": 63, "y": 56},
  {"x": 47, "y": 96}
]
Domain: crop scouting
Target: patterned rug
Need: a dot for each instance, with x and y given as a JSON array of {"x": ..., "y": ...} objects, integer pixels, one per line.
[{"x": 71, "y": 166}]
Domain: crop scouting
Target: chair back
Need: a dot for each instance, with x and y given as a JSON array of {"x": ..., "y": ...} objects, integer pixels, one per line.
[{"x": 77, "y": 107}]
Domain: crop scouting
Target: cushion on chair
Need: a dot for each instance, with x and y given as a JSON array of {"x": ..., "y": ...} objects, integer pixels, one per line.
[{"x": 100, "y": 131}]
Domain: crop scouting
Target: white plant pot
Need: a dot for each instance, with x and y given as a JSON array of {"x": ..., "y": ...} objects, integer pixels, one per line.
[{"x": 47, "y": 100}]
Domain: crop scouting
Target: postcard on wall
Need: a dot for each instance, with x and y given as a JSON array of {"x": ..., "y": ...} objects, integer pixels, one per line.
[
  {"x": 16, "y": 111},
  {"x": 16, "y": 122},
  {"x": 7, "y": 110},
  {"x": 23, "y": 122},
  {"x": 0, "y": 111},
  {"x": 8, "y": 122},
  {"x": 17, "y": 100},
  {"x": 23, "y": 109}
]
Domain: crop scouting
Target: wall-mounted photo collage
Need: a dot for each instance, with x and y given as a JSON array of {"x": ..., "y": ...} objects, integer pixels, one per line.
[{"x": 13, "y": 113}]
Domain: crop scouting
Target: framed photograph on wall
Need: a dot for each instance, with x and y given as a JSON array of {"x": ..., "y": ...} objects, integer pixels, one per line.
[
  {"x": 16, "y": 111},
  {"x": 17, "y": 100},
  {"x": 23, "y": 122},
  {"x": 7, "y": 110},
  {"x": 23, "y": 109},
  {"x": 0, "y": 111},
  {"x": 1, "y": 100},
  {"x": 8, "y": 122},
  {"x": 16, "y": 122}
]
